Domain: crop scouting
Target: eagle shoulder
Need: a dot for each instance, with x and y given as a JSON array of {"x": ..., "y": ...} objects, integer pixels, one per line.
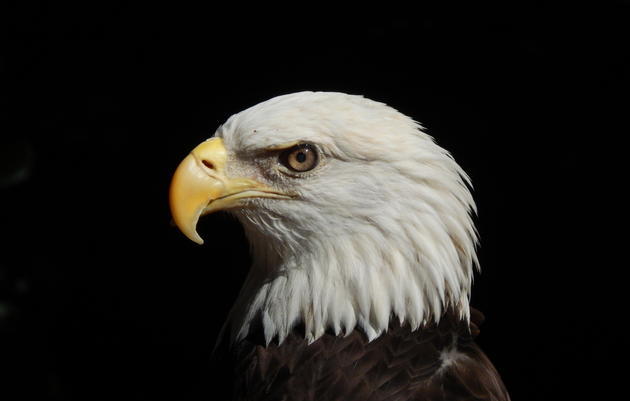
[{"x": 440, "y": 361}]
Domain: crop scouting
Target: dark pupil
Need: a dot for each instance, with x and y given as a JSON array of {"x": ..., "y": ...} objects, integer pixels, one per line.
[{"x": 300, "y": 157}]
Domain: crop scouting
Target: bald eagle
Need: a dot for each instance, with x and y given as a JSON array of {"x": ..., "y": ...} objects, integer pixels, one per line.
[{"x": 363, "y": 249}]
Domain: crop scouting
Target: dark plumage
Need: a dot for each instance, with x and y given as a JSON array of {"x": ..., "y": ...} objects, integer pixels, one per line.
[{"x": 399, "y": 365}]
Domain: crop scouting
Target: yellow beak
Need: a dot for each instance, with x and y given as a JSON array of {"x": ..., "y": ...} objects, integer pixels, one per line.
[{"x": 200, "y": 187}]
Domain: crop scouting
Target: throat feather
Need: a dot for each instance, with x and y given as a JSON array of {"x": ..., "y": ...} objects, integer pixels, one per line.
[{"x": 344, "y": 283}]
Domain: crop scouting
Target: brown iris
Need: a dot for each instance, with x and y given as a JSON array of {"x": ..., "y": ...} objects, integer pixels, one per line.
[{"x": 300, "y": 158}]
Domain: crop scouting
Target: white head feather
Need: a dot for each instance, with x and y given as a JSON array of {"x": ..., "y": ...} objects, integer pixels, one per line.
[{"x": 381, "y": 229}]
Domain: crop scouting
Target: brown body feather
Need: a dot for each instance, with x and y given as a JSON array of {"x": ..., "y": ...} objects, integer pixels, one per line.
[{"x": 437, "y": 362}]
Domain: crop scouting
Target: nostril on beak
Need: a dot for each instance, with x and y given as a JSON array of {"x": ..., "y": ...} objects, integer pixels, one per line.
[{"x": 208, "y": 164}]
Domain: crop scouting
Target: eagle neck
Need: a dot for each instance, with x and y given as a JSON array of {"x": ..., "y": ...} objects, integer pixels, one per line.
[{"x": 341, "y": 283}]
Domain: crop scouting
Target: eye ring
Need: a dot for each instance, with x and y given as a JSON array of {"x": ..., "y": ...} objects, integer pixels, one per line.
[{"x": 299, "y": 158}]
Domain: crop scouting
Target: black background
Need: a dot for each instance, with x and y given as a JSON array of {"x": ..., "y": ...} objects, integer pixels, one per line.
[{"x": 102, "y": 298}]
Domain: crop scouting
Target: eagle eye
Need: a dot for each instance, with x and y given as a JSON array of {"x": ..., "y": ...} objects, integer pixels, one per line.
[{"x": 299, "y": 158}]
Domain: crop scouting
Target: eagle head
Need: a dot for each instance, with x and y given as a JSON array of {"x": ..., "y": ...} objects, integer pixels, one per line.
[{"x": 354, "y": 215}]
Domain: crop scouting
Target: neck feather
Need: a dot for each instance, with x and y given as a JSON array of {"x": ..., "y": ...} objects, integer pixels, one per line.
[{"x": 358, "y": 280}]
